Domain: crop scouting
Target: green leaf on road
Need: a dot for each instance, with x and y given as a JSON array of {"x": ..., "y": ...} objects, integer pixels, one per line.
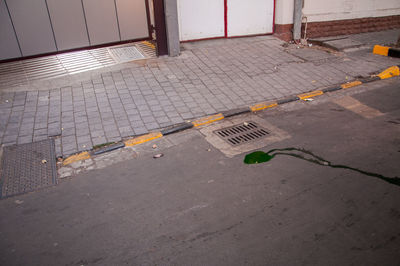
[{"x": 257, "y": 157}]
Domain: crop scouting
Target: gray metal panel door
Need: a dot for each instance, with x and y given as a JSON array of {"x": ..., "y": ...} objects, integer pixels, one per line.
[
  {"x": 32, "y": 25},
  {"x": 68, "y": 23},
  {"x": 132, "y": 19},
  {"x": 8, "y": 42},
  {"x": 101, "y": 18}
]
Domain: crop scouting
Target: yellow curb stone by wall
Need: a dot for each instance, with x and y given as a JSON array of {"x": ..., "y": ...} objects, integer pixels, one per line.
[
  {"x": 390, "y": 72},
  {"x": 381, "y": 50},
  {"x": 143, "y": 139},
  {"x": 262, "y": 106},
  {"x": 207, "y": 120},
  {"x": 307, "y": 95},
  {"x": 77, "y": 157},
  {"x": 351, "y": 84}
]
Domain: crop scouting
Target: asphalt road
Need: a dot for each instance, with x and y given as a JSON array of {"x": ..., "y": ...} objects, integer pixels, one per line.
[{"x": 195, "y": 206}]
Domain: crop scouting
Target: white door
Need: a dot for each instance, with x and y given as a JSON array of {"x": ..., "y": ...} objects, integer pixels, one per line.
[
  {"x": 68, "y": 23},
  {"x": 8, "y": 41},
  {"x": 250, "y": 17},
  {"x": 127, "y": 18},
  {"x": 201, "y": 19},
  {"x": 32, "y": 26},
  {"x": 101, "y": 19}
]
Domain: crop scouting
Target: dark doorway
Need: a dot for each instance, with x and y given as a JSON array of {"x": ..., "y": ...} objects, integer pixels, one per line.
[{"x": 160, "y": 28}]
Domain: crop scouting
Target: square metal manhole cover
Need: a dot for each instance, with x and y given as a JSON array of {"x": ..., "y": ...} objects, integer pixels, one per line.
[
  {"x": 27, "y": 167},
  {"x": 125, "y": 53},
  {"x": 242, "y": 133}
]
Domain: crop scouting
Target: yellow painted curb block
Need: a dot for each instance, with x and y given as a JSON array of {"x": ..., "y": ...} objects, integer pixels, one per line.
[
  {"x": 390, "y": 72},
  {"x": 149, "y": 44},
  {"x": 351, "y": 84},
  {"x": 77, "y": 157},
  {"x": 207, "y": 120},
  {"x": 381, "y": 50},
  {"x": 262, "y": 106},
  {"x": 311, "y": 94},
  {"x": 143, "y": 139}
]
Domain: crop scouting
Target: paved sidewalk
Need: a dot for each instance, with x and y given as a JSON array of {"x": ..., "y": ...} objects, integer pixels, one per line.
[
  {"x": 209, "y": 77},
  {"x": 359, "y": 41}
]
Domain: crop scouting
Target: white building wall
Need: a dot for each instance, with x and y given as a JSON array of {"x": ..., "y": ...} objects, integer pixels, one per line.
[
  {"x": 328, "y": 10},
  {"x": 317, "y": 10},
  {"x": 284, "y": 11}
]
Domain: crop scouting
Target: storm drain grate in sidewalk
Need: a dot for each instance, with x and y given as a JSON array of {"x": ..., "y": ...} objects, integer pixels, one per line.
[
  {"x": 147, "y": 48},
  {"x": 54, "y": 66},
  {"x": 242, "y": 133},
  {"x": 126, "y": 53},
  {"x": 27, "y": 167}
]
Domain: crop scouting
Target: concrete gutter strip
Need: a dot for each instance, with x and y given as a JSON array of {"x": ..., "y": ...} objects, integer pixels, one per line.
[{"x": 387, "y": 73}]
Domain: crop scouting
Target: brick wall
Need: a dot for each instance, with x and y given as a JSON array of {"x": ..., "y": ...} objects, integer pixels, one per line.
[
  {"x": 340, "y": 27},
  {"x": 284, "y": 32}
]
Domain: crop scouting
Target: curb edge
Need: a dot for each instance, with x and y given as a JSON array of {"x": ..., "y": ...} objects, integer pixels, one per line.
[{"x": 390, "y": 72}]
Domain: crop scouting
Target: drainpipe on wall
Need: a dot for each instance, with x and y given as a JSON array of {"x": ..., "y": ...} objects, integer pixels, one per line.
[{"x": 297, "y": 16}]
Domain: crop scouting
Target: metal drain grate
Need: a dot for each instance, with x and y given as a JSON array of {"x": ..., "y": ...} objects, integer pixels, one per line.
[
  {"x": 125, "y": 53},
  {"x": 24, "y": 71},
  {"x": 53, "y": 66},
  {"x": 27, "y": 167},
  {"x": 147, "y": 48},
  {"x": 242, "y": 133}
]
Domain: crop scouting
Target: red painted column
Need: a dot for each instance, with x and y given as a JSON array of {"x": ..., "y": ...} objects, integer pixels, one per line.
[{"x": 226, "y": 17}]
